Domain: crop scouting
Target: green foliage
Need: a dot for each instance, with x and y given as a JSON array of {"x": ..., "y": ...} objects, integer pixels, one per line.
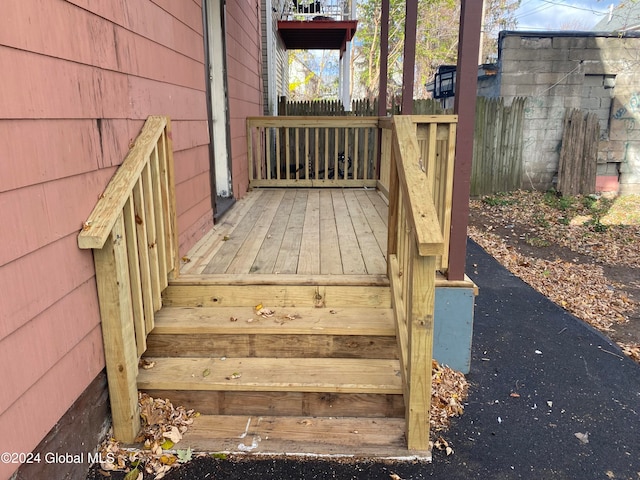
[
  {"x": 540, "y": 220},
  {"x": 436, "y": 40},
  {"x": 313, "y": 75},
  {"x": 537, "y": 242},
  {"x": 184, "y": 456}
]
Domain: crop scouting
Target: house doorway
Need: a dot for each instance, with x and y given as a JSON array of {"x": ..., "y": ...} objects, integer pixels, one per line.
[{"x": 218, "y": 106}]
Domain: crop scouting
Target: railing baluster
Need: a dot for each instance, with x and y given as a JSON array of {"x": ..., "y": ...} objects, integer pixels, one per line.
[
  {"x": 158, "y": 209},
  {"x": 143, "y": 254},
  {"x": 278, "y": 153},
  {"x": 287, "y": 150},
  {"x": 166, "y": 203},
  {"x": 135, "y": 276},
  {"x": 345, "y": 167},
  {"x": 316, "y": 160},
  {"x": 150, "y": 215},
  {"x": 267, "y": 133},
  {"x": 306, "y": 154}
]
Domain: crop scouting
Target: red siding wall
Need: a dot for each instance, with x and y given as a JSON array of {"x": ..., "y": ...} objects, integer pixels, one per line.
[
  {"x": 243, "y": 42},
  {"x": 78, "y": 79}
]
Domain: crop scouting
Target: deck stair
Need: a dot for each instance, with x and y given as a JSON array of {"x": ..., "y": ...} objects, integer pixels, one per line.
[{"x": 303, "y": 379}]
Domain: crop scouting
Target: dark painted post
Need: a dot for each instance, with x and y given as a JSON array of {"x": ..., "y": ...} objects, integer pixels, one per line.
[
  {"x": 384, "y": 72},
  {"x": 465, "y": 108},
  {"x": 384, "y": 54},
  {"x": 409, "y": 58}
]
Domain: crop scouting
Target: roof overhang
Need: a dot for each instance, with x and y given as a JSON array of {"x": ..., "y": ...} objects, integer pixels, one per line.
[{"x": 318, "y": 34}]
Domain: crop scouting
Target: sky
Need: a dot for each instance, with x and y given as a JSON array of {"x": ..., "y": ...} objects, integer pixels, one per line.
[{"x": 561, "y": 14}]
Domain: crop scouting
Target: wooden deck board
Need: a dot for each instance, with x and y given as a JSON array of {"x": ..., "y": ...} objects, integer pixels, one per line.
[
  {"x": 377, "y": 223},
  {"x": 297, "y": 231},
  {"x": 273, "y": 375},
  {"x": 202, "y": 253},
  {"x": 268, "y": 254},
  {"x": 372, "y": 255},
  {"x": 290, "y": 321},
  {"x": 329, "y": 246},
  {"x": 338, "y": 436},
  {"x": 309, "y": 258},
  {"x": 249, "y": 250},
  {"x": 287, "y": 261},
  {"x": 352, "y": 261}
]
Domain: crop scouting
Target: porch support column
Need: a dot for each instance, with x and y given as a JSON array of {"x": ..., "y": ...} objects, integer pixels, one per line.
[
  {"x": 384, "y": 73},
  {"x": 465, "y": 108},
  {"x": 409, "y": 58},
  {"x": 384, "y": 54}
]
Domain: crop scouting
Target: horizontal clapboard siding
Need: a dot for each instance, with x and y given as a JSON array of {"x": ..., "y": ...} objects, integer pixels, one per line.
[{"x": 79, "y": 79}]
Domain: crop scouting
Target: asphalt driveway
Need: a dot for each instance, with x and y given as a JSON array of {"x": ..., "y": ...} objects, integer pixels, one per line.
[{"x": 550, "y": 398}]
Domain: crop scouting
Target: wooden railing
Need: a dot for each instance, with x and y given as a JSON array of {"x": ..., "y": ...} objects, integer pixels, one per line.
[
  {"x": 414, "y": 242},
  {"x": 436, "y": 136},
  {"x": 312, "y": 151},
  {"x": 132, "y": 231}
]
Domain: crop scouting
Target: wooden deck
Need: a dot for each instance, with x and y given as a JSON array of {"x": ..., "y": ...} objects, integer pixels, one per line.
[{"x": 297, "y": 231}]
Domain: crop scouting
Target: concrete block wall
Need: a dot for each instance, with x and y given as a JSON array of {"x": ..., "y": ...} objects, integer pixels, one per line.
[{"x": 560, "y": 70}]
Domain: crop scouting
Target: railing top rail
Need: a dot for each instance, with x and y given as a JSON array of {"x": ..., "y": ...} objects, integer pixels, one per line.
[
  {"x": 434, "y": 118},
  {"x": 110, "y": 204},
  {"x": 415, "y": 188},
  {"x": 312, "y": 121}
]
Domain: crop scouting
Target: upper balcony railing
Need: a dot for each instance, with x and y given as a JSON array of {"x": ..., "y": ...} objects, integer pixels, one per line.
[{"x": 310, "y": 9}]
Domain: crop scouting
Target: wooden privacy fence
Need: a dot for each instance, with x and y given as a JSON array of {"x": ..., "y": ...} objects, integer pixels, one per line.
[
  {"x": 414, "y": 242},
  {"x": 312, "y": 151},
  {"x": 497, "y": 146},
  {"x": 579, "y": 153},
  {"x": 132, "y": 231},
  {"x": 436, "y": 137},
  {"x": 362, "y": 107}
]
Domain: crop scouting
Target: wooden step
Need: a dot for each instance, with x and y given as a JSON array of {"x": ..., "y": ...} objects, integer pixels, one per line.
[
  {"x": 382, "y": 438},
  {"x": 291, "y": 321},
  {"x": 290, "y": 332},
  {"x": 328, "y": 291},
  {"x": 313, "y": 404},
  {"x": 333, "y": 375}
]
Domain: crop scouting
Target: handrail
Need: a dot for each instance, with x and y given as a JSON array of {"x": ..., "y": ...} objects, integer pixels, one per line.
[
  {"x": 414, "y": 241},
  {"x": 312, "y": 151},
  {"x": 436, "y": 135},
  {"x": 133, "y": 233}
]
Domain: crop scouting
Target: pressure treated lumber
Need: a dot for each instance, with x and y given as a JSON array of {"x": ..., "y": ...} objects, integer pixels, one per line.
[
  {"x": 315, "y": 404},
  {"x": 287, "y": 321},
  {"x": 339, "y": 436},
  {"x": 277, "y": 296},
  {"x": 334, "y": 375}
]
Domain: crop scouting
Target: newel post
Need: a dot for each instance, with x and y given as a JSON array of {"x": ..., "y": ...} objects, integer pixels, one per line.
[{"x": 112, "y": 278}]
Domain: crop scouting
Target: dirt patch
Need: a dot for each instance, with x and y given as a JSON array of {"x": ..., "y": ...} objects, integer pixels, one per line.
[{"x": 581, "y": 252}]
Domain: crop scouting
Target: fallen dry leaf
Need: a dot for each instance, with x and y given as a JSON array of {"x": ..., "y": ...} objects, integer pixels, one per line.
[
  {"x": 265, "y": 312},
  {"x": 631, "y": 349},
  {"x": 599, "y": 231},
  {"x": 146, "y": 364},
  {"x": 163, "y": 424},
  {"x": 173, "y": 434},
  {"x": 583, "y": 437}
]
